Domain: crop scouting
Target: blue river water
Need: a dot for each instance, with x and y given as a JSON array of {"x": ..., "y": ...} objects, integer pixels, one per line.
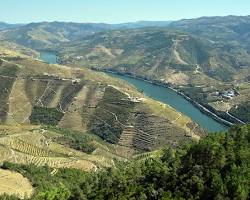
[
  {"x": 48, "y": 57},
  {"x": 170, "y": 97}
]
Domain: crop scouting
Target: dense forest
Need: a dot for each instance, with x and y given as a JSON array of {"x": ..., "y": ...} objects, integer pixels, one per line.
[{"x": 217, "y": 167}]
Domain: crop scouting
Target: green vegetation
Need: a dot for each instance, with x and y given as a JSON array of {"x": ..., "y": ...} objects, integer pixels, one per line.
[
  {"x": 194, "y": 51},
  {"x": 68, "y": 94},
  {"x": 215, "y": 168},
  {"x": 49, "y": 187},
  {"x": 180, "y": 67},
  {"x": 221, "y": 73},
  {"x": 73, "y": 139},
  {"x": 242, "y": 112},
  {"x": 9, "y": 70},
  {"x": 5, "y": 88},
  {"x": 195, "y": 93},
  {"x": 42, "y": 115},
  {"x": 49, "y": 94},
  {"x": 111, "y": 115}
]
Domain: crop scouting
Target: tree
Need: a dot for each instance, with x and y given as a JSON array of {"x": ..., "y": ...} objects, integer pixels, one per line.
[{"x": 59, "y": 193}]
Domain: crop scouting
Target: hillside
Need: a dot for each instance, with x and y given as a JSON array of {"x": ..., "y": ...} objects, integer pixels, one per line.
[
  {"x": 153, "y": 53},
  {"x": 16, "y": 50},
  {"x": 199, "y": 62},
  {"x": 216, "y": 167},
  {"x": 69, "y": 131},
  {"x": 205, "y": 58},
  {"x": 228, "y": 38},
  {"x": 48, "y": 35},
  {"x": 219, "y": 45},
  {"x": 99, "y": 119},
  {"x": 219, "y": 29}
]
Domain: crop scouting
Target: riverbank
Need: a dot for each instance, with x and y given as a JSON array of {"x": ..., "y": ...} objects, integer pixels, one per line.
[{"x": 169, "y": 86}]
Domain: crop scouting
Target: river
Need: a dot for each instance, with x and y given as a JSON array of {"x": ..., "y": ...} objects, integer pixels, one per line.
[
  {"x": 49, "y": 57},
  {"x": 164, "y": 95}
]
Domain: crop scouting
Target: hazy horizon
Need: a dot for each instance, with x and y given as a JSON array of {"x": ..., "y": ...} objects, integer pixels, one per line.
[
  {"x": 89, "y": 22},
  {"x": 116, "y": 12}
]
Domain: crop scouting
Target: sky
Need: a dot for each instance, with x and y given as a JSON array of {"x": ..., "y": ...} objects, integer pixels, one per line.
[{"x": 117, "y": 11}]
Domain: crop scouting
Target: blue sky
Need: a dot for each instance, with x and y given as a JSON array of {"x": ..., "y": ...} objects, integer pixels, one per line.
[{"x": 116, "y": 11}]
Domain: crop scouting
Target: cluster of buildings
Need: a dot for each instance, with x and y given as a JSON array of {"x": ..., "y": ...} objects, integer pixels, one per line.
[{"x": 227, "y": 94}]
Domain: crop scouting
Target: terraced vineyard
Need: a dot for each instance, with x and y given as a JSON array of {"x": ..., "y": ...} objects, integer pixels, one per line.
[
  {"x": 37, "y": 145},
  {"x": 84, "y": 101}
]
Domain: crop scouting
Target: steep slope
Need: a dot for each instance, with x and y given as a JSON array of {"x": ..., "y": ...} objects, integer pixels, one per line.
[
  {"x": 229, "y": 38},
  {"x": 33, "y": 92},
  {"x": 152, "y": 53},
  {"x": 219, "y": 45},
  {"x": 41, "y": 146}
]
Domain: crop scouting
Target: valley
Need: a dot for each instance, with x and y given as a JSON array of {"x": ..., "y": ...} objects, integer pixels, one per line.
[
  {"x": 141, "y": 110},
  {"x": 203, "y": 70},
  {"x": 165, "y": 96},
  {"x": 202, "y": 64}
]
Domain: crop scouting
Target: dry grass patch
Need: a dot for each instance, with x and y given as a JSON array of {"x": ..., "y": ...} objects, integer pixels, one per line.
[
  {"x": 19, "y": 104},
  {"x": 13, "y": 183}
]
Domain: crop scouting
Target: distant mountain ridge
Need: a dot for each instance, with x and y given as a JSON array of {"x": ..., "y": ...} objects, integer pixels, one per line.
[
  {"x": 142, "y": 24},
  {"x": 48, "y": 34},
  {"x": 4, "y": 26},
  {"x": 217, "y": 28}
]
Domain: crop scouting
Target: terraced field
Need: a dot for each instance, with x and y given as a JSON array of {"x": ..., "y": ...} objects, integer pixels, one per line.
[
  {"x": 89, "y": 102},
  {"x": 36, "y": 145}
]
